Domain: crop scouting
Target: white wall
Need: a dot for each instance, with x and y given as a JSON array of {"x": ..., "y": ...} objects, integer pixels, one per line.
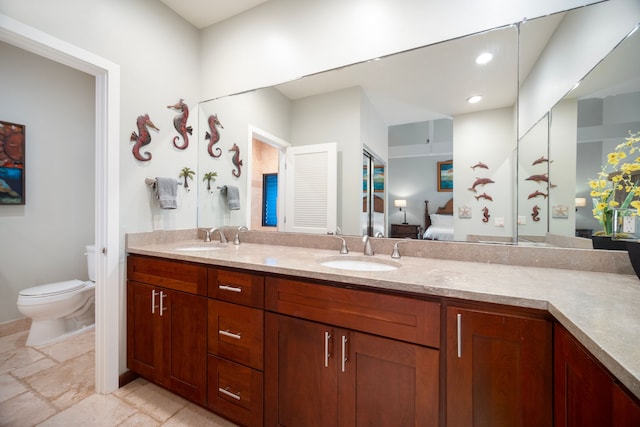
[
  {"x": 488, "y": 137},
  {"x": 583, "y": 38},
  {"x": 286, "y": 39},
  {"x": 44, "y": 240},
  {"x": 339, "y": 114}
]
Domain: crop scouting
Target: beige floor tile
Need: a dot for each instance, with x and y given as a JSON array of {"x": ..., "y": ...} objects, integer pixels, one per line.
[
  {"x": 34, "y": 368},
  {"x": 13, "y": 341},
  {"x": 66, "y": 383},
  {"x": 96, "y": 410},
  {"x": 26, "y": 409},
  {"x": 155, "y": 401},
  {"x": 70, "y": 347},
  {"x": 10, "y": 387},
  {"x": 193, "y": 415},
  {"x": 131, "y": 387},
  {"x": 139, "y": 420},
  {"x": 17, "y": 358}
]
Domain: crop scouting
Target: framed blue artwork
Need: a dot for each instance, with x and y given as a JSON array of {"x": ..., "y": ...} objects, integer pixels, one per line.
[
  {"x": 12, "y": 141},
  {"x": 445, "y": 176}
]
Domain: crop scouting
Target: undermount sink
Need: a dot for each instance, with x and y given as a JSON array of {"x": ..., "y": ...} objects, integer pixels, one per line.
[
  {"x": 362, "y": 263},
  {"x": 201, "y": 247}
]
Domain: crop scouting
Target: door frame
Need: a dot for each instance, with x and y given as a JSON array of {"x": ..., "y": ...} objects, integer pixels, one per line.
[
  {"x": 107, "y": 191},
  {"x": 281, "y": 145}
]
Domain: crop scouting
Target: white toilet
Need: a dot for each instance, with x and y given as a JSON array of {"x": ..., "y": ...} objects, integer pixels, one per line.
[{"x": 58, "y": 310}]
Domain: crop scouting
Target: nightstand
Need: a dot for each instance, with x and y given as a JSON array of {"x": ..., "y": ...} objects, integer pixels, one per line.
[{"x": 402, "y": 231}]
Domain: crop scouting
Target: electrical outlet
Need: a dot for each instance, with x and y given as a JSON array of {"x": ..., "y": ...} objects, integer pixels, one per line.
[
  {"x": 522, "y": 220},
  {"x": 629, "y": 224},
  {"x": 498, "y": 221}
]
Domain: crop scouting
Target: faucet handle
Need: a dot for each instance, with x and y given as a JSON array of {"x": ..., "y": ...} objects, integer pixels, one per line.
[
  {"x": 207, "y": 235},
  {"x": 396, "y": 251},
  {"x": 236, "y": 239},
  {"x": 343, "y": 249}
]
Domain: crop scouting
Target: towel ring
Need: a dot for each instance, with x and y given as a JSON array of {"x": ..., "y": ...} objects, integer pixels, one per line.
[{"x": 152, "y": 181}]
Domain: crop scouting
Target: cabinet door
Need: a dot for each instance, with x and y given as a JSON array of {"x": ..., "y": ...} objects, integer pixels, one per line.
[
  {"x": 144, "y": 333},
  {"x": 585, "y": 394},
  {"x": 185, "y": 348},
  {"x": 383, "y": 382},
  {"x": 499, "y": 370},
  {"x": 300, "y": 373}
]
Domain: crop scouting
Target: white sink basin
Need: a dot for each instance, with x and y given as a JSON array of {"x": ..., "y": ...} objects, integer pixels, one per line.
[
  {"x": 359, "y": 264},
  {"x": 201, "y": 247}
]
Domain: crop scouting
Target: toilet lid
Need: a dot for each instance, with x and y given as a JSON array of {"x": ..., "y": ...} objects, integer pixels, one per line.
[{"x": 53, "y": 288}]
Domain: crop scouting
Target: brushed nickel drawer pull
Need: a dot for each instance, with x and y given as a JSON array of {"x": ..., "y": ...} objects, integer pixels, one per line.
[
  {"x": 459, "y": 325},
  {"x": 344, "y": 353},
  {"x": 230, "y": 288},
  {"x": 153, "y": 301},
  {"x": 327, "y": 355},
  {"x": 230, "y": 334},
  {"x": 226, "y": 392}
]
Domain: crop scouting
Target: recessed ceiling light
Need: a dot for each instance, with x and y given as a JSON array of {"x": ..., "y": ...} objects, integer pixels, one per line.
[
  {"x": 474, "y": 99},
  {"x": 484, "y": 58}
]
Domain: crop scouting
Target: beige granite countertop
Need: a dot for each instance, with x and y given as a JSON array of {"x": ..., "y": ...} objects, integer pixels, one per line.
[{"x": 602, "y": 310}]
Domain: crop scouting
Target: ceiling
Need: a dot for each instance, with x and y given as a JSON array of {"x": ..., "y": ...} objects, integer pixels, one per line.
[{"x": 202, "y": 13}]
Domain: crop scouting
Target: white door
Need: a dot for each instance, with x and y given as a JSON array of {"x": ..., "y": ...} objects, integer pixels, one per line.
[{"x": 311, "y": 188}]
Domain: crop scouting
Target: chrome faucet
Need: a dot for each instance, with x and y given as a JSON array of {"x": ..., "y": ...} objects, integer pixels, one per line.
[
  {"x": 343, "y": 248},
  {"x": 396, "y": 252},
  {"x": 368, "y": 250},
  {"x": 236, "y": 239},
  {"x": 223, "y": 238}
]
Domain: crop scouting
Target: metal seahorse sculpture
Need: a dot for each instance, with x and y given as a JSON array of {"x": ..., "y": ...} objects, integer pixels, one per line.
[
  {"x": 214, "y": 136},
  {"x": 142, "y": 138},
  {"x": 236, "y": 160},
  {"x": 180, "y": 123}
]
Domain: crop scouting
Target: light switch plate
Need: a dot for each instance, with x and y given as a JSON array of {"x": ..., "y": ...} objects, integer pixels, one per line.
[
  {"x": 522, "y": 220},
  {"x": 498, "y": 221}
]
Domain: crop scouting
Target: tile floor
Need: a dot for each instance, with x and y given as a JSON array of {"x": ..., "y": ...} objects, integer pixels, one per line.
[{"x": 53, "y": 385}]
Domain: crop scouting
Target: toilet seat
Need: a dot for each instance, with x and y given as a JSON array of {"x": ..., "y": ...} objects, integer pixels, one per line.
[{"x": 52, "y": 289}]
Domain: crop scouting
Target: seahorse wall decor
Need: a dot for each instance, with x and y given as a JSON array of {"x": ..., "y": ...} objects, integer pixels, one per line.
[
  {"x": 236, "y": 160},
  {"x": 214, "y": 136},
  {"x": 485, "y": 214},
  {"x": 180, "y": 123},
  {"x": 535, "y": 214},
  {"x": 143, "y": 137}
]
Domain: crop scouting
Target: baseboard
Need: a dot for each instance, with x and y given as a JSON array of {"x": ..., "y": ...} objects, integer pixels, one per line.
[
  {"x": 14, "y": 326},
  {"x": 126, "y": 377}
]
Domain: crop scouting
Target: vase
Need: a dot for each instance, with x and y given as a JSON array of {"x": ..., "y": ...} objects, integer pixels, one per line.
[
  {"x": 606, "y": 242},
  {"x": 633, "y": 248}
]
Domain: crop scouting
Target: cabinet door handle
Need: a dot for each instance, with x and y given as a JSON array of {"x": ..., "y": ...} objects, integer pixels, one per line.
[
  {"x": 162, "y": 307},
  {"x": 230, "y": 288},
  {"x": 226, "y": 392},
  {"x": 229, "y": 334},
  {"x": 327, "y": 354},
  {"x": 153, "y": 301},
  {"x": 459, "y": 326},
  {"x": 344, "y": 352}
]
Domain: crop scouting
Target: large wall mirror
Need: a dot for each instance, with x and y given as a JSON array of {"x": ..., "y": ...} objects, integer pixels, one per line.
[{"x": 409, "y": 111}]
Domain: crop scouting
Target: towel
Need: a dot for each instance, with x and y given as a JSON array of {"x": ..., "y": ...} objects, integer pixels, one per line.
[
  {"x": 233, "y": 197},
  {"x": 166, "y": 192}
]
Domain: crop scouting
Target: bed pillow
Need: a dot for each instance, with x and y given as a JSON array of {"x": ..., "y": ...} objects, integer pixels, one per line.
[{"x": 442, "y": 220}]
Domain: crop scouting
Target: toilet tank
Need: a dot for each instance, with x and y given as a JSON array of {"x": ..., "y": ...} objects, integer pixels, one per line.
[{"x": 91, "y": 262}]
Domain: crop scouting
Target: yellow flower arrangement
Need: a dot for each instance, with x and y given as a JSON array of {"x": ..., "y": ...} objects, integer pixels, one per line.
[{"x": 617, "y": 176}]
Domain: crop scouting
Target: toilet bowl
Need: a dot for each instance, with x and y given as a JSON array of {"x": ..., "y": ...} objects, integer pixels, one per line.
[{"x": 61, "y": 309}]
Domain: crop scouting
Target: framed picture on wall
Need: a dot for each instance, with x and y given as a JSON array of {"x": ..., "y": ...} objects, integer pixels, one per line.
[
  {"x": 445, "y": 176},
  {"x": 12, "y": 140}
]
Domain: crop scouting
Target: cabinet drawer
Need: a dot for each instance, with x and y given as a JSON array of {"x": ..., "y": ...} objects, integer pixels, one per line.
[
  {"x": 237, "y": 287},
  {"x": 236, "y": 333},
  {"x": 177, "y": 275},
  {"x": 234, "y": 391},
  {"x": 401, "y": 318}
]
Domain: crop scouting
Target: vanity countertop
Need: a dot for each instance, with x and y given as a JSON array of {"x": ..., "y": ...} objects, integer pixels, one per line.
[{"x": 602, "y": 310}]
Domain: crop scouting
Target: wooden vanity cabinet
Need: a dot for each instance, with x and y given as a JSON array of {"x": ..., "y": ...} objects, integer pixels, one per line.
[
  {"x": 499, "y": 369},
  {"x": 585, "y": 394},
  {"x": 235, "y": 345},
  {"x": 333, "y": 359},
  {"x": 166, "y": 323}
]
